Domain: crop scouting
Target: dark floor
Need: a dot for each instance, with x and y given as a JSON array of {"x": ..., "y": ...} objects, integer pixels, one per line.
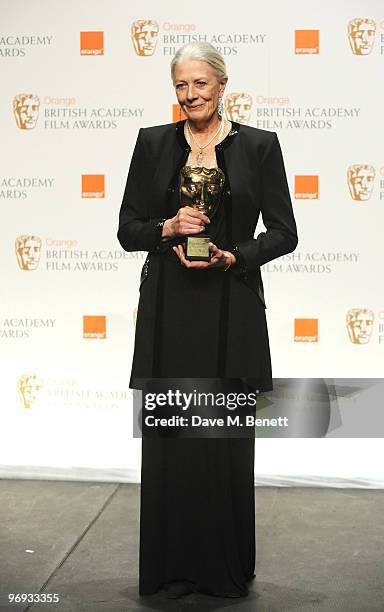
[{"x": 317, "y": 549}]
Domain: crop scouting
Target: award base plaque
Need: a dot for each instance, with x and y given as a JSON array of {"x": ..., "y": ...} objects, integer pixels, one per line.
[{"x": 197, "y": 248}]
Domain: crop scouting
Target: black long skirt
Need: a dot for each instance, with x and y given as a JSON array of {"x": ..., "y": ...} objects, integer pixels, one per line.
[
  {"x": 197, "y": 516},
  {"x": 197, "y": 512}
]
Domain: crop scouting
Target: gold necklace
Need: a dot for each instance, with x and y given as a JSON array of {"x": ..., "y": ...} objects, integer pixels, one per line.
[{"x": 200, "y": 155}]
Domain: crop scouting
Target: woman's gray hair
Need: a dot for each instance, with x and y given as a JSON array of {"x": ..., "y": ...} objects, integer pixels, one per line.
[{"x": 204, "y": 52}]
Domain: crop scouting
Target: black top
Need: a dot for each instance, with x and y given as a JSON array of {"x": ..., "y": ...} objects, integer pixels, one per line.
[
  {"x": 257, "y": 186},
  {"x": 206, "y": 323}
]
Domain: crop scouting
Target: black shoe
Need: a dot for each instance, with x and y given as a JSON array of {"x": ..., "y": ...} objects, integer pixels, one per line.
[{"x": 179, "y": 588}]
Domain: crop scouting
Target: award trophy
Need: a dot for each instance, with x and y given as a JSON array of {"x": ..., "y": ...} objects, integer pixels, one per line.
[{"x": 200, "y": 188}]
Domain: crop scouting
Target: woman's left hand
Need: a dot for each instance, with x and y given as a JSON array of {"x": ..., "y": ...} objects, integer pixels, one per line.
[{"x": 219, "y": 259}]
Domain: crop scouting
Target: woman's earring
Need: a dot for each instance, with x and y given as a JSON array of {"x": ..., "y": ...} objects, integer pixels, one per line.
[{"x": 220, "y": 107}]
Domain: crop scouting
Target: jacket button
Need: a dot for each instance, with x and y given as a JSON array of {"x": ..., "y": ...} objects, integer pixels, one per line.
[
  {"x": 228, "y": 192},
  {"x": 171, "y": 189}
]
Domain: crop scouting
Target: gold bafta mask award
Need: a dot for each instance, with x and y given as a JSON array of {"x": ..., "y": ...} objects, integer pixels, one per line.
[{"x": 200, "y": 188}]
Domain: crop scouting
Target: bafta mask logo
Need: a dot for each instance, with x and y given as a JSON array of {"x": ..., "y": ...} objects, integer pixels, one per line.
[
  {"x": 361, "y": 35},
  {"x": 359, "y": 325},
  {"x": 28, "y": 250},
  {"x": 238, "y": 107},
  {"x": 360, "y": 178},
  {"x": 201, "y": 188},
  {"x": 29, "y": 387},
  {"x": 144, "y": 34},
  {"x": 26, "y": 110}
]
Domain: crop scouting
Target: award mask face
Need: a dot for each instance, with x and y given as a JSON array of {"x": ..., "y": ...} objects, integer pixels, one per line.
[{"x": 201, "y": 188}]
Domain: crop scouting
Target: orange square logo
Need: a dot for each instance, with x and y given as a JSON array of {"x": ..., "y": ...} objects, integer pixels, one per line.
[
  {"x": 91, "y": 43},
  {"x": 307, "y": 41},
  {"x": 306, "y": 187},
  {"x": 94, "y": 326},
  {"x": 177, "y": 113},
  {"x": 92, "y": 186},
  {"x": 306, "y": 330}
]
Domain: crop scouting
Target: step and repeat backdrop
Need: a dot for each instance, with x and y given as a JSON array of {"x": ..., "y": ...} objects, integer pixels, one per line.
[{"x": 78, "y": 81}]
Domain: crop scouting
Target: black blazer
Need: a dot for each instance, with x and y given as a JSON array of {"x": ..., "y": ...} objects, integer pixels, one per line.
[{"x": 257, "y": 184}]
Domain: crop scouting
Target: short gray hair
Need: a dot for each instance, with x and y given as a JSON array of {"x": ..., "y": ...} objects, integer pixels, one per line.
[{"x": 204, "y": 52}]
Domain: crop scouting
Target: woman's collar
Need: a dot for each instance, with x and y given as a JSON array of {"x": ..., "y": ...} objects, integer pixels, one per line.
[{"x": 179, "y": 125}]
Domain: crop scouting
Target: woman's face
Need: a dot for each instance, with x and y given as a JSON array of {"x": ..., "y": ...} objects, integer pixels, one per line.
[{"x": 197, "y": 89}]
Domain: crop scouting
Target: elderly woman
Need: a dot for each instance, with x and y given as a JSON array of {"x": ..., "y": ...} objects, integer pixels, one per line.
[{"x": 202, "y": 318}]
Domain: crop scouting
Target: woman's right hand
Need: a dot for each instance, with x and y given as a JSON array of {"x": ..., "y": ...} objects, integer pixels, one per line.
[{"x": 187, "y": 221}]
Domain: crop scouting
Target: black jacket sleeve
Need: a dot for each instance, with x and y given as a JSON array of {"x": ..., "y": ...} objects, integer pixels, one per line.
[
  {"x": 277, "y": 214},
  {"x": 137, "y": 231}
]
